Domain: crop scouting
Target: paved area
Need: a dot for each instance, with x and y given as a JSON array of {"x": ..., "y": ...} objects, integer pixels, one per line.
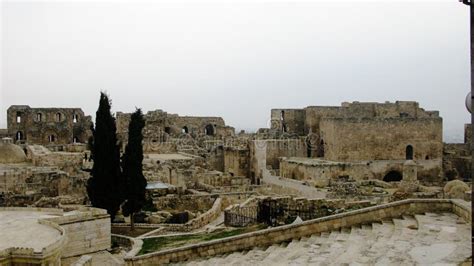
[
  {"x": 306, "y": 191},
  {"x": 430, "y": 239},
  {"x": 167, "y": 157},
  {"x": 21, "y": 229}
]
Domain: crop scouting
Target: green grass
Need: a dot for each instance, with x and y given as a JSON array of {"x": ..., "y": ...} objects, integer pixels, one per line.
[{"x": 166, "y": 242}]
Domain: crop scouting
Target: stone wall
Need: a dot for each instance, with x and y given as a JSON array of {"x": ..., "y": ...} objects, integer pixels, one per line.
[
  {"x": 306, "y": 120},
  {"x": 266, "y": 153},
  {"x": 85, "y": 231},
  {"x": 236, "y": 161},
  {"x": 320, "y": 172},
  {"x": 381, "y": 139},
  {"x": 288, "y": 120},
  {"x": 183, "y": 202},
  {"x": 457, "y": 161},
  {"x": 200, "y": 221},
  {"x": 45, "y": 181},
  {"x": 161, "y": 126},
  {"x": 218, "y": 179},
  {"x": 48, "y": 125}
]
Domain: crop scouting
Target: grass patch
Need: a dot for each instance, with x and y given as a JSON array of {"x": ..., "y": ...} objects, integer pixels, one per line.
[
  {"x": 126, "y": 231},
  {"x": 166, "y": 242}
]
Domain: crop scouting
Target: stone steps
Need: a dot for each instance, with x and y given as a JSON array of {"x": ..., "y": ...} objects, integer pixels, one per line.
[{"x": 421, "y": 239}]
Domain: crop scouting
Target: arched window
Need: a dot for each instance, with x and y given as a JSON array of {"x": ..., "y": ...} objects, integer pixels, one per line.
[
  {"x": 75, "y": 118},
  {"x": 19, "y": 135},
  {"x": 18, "y": 117},
  {"x": 409, "y": 152},
  {"x": 167, "y": 130},
  {"x": 51, "y": 138},
  {"x": 75, "y": 140},
  {"x": 39, "y": 117},
  {"x": 209, "y": 130},
  {"x": 58, "y": 117},
  {"x": 185, "y": 130}
]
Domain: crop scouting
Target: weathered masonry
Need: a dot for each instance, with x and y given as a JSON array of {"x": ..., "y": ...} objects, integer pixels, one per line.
[
  {"x": 364, "y": 131},
  {"x": 48, "y": 126},
  {"x": 161, "y": 126}
]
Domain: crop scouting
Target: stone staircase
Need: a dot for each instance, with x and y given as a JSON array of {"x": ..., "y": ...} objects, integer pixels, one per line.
[{"x": 427, "y": 239}]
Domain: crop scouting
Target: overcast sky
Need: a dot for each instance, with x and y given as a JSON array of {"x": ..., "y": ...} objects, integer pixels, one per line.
[{"x": 236, "y": 60}]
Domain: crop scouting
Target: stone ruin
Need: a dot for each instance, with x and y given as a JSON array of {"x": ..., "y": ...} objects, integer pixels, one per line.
[{"x": 322, "y": 160}]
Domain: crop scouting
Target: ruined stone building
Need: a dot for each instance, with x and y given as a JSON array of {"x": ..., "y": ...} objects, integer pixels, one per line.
[
  {"x": 48, "y": 126},
  {"x": 365, "y": 131},
  {"x": 161, "y": 127},
  {"x": 361, "y": 140}
]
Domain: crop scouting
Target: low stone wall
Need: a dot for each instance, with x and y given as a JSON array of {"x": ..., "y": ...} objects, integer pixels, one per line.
[
  {"x": 133, "y": 245},
  {"x": 287, "y": 233},
  {"x": 320, "y": 172},
  {"x": 228, "y": 198},
  {"x": 86, "y": 231},
  {"x": 49, "y": 255},
  {"x": 199, "y": 221},
  {"x": 184, "y": 202}
]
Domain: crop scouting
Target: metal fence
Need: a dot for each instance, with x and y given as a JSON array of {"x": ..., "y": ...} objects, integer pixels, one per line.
[
  {"x": 240, "y": 217},
  {"x": 272, "y": 213}
]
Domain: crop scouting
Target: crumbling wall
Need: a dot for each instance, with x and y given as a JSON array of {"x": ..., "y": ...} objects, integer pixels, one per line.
[
  {"x": 457, "y": 160},
  {"x": 288, "y": 120},
  {"x": 236, "y": 161},
  {"x": 48, "y": 125},
  {"x": 163, "y": 127},
  {"x": 276, "y": 148},
  {"x": 320, "y": 172},
  {"x": 42, "y": 181}
]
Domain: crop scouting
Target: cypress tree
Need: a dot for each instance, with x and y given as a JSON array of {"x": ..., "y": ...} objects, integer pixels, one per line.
[
  {"x": 105, "y": 186},
  {"x": 135, "y": 182}
]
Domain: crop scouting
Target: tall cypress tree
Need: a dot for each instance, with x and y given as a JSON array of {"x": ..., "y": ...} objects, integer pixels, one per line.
[
  {"x": 135, "y": 182},
  {"x": 105, "y": 186}
]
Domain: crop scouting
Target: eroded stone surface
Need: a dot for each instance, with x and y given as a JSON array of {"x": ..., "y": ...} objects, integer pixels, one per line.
[{"x": 21, "y": 229}]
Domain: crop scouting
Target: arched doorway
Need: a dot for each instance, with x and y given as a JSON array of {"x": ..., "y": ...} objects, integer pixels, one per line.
[
  {"x": 392, "y": 176},
  {"x": 51, "y": 138},
  {"x": 409, "y": 152},
  {"x": 75, "y": 118},
  {"x": 19, "y": 135},
  {"x": 185, "y": 130},
  {"x": 209, "y": 130}
]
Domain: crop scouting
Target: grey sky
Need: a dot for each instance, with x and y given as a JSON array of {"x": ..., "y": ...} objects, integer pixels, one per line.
[{"x": 236, "y": 60}]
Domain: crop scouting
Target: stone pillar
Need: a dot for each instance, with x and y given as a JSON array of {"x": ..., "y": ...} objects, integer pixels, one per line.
[
  {"x": 410, "y": 171},
  {"x": 409, "y": 183}
]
